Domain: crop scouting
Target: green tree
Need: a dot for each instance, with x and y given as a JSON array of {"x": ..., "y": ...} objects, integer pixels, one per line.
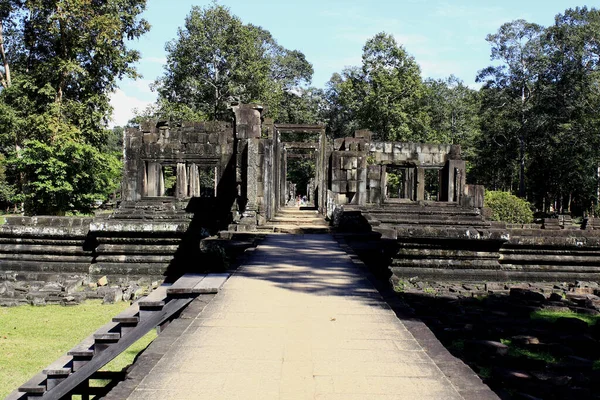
[
  {"x": 565, "y": 159},
  {"x": 454, "y": 113},
  {"x": 217, "y": 59},
  {"x": 383, "y": 95},
  {"x": 343, "y": 101},
  {"x": 65, "y": 58},
  {"x": 518, "y": 46},
  {"x": 302, "y": 106}
]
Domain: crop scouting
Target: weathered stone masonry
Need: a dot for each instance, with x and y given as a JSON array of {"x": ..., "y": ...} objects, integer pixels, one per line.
[{"x": 185, "y": 181}]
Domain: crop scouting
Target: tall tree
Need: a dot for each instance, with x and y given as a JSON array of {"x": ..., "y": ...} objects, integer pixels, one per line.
[
  {"x": 453, "y": 108},
  {"x": 383, "y": 95},
  {"x": 217, "y": 59},
  {"x": 567, "y": 151},
  {"x": 517, "y": 45},
  {"x": 67, "y": 56}
]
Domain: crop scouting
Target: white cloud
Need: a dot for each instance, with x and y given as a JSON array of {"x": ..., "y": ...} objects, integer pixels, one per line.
[
  {"x": 123, "y": 106},
  {"x": 143, "y": 85},
  {"x": 155, "y": 60}
]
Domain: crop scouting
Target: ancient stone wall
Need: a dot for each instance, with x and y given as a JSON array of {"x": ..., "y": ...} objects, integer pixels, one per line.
[
  {"x": 358, "y": 168},
  {"x": 183, "y": 148}
]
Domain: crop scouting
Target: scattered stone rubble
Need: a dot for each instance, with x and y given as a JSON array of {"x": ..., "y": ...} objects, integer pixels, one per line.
[
  {"x": 71, "y": 291},
  {"x": 489, "y": 326}
]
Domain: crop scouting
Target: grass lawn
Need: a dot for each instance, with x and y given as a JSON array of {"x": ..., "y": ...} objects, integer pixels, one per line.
[
  {"x": 31, "y": 338},
  {"x": 552, "y": 316}
]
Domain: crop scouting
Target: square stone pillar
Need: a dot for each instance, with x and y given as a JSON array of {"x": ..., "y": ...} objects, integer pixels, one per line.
[
  {"x": 454, "y": 180},
  {"x": 253, "y": 173},
  {"x": 154, "y": 172},
  {"x": 194, "y": 181},
  {"x": 420, "y": 181},
  {"x": 182, "y": 181}
]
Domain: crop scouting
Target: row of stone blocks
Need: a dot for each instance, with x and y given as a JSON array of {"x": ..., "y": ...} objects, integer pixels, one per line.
[
  {"x": 498, "y": 255},
  {"x": 450, "y": 250},
  {"x": 40, "y": 248},
  {"x": 124, "y": 249}
]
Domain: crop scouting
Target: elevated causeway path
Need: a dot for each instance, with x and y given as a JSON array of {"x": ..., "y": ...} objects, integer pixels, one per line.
[{"x": 300, "y": 320}]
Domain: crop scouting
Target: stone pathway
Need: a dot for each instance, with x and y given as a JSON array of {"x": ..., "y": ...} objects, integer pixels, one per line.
[{"x": 298, "y": 321}]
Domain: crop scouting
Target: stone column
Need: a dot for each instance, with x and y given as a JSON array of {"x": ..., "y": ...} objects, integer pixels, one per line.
[
  {"x": 153, "y": 179},
  {"x": 454, "y": 180},
  {"x": 161, "y": 182},
  {"x": 194, "y": 181},
  {"x": 248, "y": 132},
  {"x": 182, "y": 181},
  {"x": 134, "y": 168},
  {"x": 144, "y": 183},
  {"x": 420, "y": 184}
]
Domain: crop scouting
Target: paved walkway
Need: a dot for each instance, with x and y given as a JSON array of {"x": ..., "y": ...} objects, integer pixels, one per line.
[{"x": 298, "y": 321}]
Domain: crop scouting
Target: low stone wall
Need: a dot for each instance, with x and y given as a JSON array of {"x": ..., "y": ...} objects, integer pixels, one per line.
[
  {"x": 40, "y": 248},
  {"x": 470, "y": 254},
  {"x": 63, "y": 260}
]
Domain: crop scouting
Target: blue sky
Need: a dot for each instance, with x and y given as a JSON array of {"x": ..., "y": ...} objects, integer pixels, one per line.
[{"x": 445, "y": 37}]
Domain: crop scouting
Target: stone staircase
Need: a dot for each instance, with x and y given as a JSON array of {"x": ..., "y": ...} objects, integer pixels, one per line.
[
  {"x": 70, "y": 374},
  {"x": 400, "y": 215},
  {"x": 426, "y": 239},
  {"x": 296, "y": 220}
]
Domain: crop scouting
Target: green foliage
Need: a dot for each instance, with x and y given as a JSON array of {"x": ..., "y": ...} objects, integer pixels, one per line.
[
  {"x": 508, "y": 208},
  {"x": 33, "y": 337},
  {"x": 519, "y": 352},
  {"x": 217, "y": 59},
  {"x": 65, "y": 175},
  {"x": 383, "y": 95},
  {"x": 6, "y": 190},
  {"x": 65, "y": 58},
  {"x": 300, "y": 171},
  {"x": 540, "y": 133},
  {"x": 552, "y": 316},
  {"x": 454, "y": 111},
  {"x": 393, "y": 183}
]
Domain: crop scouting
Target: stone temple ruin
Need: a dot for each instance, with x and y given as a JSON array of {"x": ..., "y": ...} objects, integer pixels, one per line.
[{"x": 189, "y": 186}]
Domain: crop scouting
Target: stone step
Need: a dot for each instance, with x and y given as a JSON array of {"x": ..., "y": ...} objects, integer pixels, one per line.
[
  {"x": 293, "y": 229},
  {"x": 422, "y": 211},
  {"x": 475, "y": 222},
  {"x": 299, "y": 221}
]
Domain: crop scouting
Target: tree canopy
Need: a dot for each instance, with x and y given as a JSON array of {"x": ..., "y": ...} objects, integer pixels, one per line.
[
  {"x": 533, "y": 128},
  {"x": 61, "y": 60},
  {"x": 217, "y": 59},
  {"x": 540, "y": 111},
  {"x": 382, "y": 95}
]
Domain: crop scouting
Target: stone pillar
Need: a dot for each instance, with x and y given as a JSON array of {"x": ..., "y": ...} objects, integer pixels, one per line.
[
  {"x": 247, "y": 120},
  {"x": 153, "y": 179},
  {"x": 194, "y": 181},
  {"x": 248, "y": 131},
  {"x": 134, "y": 168},
  {"x": 161, "y": 182},
  {"x": 144, "y": 181},
  {"x": 182, "y": 181},
  {"x": 252, "y": 175},
  {"x": 283, "y": 176},
  {"x": 410, "y": 187},
  {"x": 454, "y": 179},
  {"x": 406, "y": 193},
  {"x": 420, "y": 181}
]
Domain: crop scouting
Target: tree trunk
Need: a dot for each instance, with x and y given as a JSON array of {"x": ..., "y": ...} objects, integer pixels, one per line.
[
  {"x": 5, "y": 79},
  {"x": 522, "y": 146}
]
